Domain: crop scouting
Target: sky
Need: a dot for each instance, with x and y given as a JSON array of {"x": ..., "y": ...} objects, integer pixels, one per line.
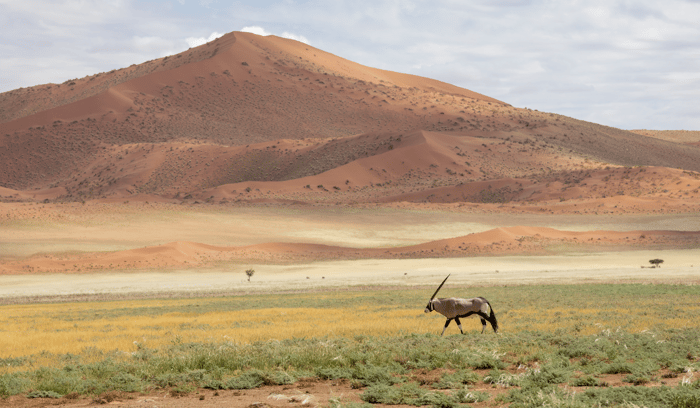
[{"x": 630, "y": 64}]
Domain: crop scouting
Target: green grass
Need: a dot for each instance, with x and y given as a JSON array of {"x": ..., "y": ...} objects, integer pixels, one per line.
[{"x": 384, "y": 367}]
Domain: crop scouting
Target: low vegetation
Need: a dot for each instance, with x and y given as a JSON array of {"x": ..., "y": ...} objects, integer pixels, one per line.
[
  {"x": 249, "y": 273},
  {"x": 578, "y": 345}
]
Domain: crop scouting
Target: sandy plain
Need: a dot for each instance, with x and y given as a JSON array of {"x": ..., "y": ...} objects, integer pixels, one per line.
[
  {"x": 619, "y": 267},
  {"x": 37, "y": 234}
]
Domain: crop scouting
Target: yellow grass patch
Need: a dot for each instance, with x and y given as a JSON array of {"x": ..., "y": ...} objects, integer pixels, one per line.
[
  {"x": 29, "y": 330},
  {"x": 127, "y": 325}
]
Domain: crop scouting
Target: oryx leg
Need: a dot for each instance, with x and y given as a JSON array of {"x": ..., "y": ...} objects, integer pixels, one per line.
[
  {"x": 483, "y": 318},
  {"x": 459, "y": 324},
  {"x": 447, "y": 323}
]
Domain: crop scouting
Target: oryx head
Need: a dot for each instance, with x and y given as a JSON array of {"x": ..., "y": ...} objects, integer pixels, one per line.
[{"x": 429, "y": 307}]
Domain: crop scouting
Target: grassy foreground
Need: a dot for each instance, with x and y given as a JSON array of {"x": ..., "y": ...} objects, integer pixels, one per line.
[{"x": 554, "y": 340}]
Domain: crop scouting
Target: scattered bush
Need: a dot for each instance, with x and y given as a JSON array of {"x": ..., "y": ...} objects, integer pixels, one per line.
[
  {"x": 685, "y": 400},
  {"x": 43, "y": 394},
  {"x": 456, "y": 380},
  {"x": 586, "y": 381},
  {"x": 12, "y": 384},
  {"x": 256, "y": 378},
  {"x": 249, "y": 273}
]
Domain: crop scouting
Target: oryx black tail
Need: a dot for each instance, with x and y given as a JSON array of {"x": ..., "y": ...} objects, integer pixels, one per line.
[{"x": 492, "y": 317}]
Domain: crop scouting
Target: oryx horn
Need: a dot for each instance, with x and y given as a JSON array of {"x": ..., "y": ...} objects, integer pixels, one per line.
[{"x": 438, "y": 289}]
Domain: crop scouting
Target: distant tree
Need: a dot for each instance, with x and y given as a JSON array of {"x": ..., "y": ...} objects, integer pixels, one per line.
[
  {"x": 656, "y": 262},
  {"x": 251, "y": 272}
]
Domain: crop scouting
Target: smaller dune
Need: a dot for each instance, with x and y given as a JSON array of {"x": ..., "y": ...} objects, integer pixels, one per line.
[{"x": 498, "y": 241}]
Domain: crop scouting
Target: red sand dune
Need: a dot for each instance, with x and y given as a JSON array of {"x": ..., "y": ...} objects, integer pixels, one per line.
[{"x": 266, "y": 119}]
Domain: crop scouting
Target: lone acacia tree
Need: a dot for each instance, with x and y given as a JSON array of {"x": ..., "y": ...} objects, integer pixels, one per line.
[
  {"x": 656, "y": 262},
  {"x": 251, "y": 272}
]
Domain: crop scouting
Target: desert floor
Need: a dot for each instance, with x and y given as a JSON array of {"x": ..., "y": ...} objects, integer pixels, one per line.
[
  {"x": 64, "y": 233},
  {"x": 35, "y": 231}
]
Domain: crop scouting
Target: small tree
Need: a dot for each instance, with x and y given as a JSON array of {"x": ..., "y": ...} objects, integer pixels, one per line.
[
  {"x": 656, "y": 262},
  {"x": 251, "y": 272}
]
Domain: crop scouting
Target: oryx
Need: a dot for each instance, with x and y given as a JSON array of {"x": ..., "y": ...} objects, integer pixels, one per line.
[{"x": 454, "y": 308}]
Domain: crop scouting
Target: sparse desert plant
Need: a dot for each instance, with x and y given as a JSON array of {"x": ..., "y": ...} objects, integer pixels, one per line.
[
  {"x": 586, "y": 381},
  {"x": 43, "y": 394},
  {"x": 686, "y": 400},
  {"x": 250, "y": 273}
]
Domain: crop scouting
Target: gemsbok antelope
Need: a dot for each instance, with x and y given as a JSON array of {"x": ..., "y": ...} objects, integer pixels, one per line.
[{"x": 454, "y": 308}]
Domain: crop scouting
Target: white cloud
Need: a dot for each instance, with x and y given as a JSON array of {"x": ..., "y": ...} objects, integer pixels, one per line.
[
  {"x": 255, "y": 30},
  {"x": 261, "y": 31},
  {"x": 295, "y": 37},
  {"x": 197, "y": 41}
]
